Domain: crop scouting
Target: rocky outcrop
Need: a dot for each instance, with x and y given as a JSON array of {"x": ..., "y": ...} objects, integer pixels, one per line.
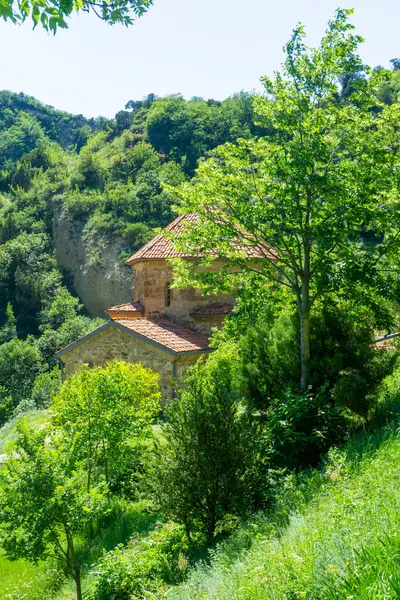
[{"x": 98, "y": 274}]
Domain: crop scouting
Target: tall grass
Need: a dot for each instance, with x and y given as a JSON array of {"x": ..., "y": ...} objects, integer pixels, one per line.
[
  {"x": 34, "y": 418},
  {"x": 20, "y": 580},
  {"x": 344, "y": 543}
]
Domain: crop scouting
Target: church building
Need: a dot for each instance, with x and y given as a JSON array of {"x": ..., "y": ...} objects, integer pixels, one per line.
[{"x": 163, "y": 328}]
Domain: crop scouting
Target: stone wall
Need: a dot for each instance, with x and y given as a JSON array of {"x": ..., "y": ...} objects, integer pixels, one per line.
[
  {"x": 113, "y": 342},
  {"x": 150, "y": 281}
]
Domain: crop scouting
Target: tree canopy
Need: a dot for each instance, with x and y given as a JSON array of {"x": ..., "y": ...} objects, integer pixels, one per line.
[{"x": 310, "y": 194}]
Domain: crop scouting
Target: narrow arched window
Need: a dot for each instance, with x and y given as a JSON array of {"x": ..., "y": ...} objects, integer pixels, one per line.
[{"x": 168, "y": 294}]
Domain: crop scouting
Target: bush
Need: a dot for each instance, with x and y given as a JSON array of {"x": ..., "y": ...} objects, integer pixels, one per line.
[
  {"x": 144, "y": 565},
  {"x": 301, "y": 427},
  {"x": 387, "y": 406},
  {"x": 20, "y": 364},
  {"x": 45, "y": 387},
  {"x": 343, "y": 357},
  {"x": 210, "y": 464},
  {"x": 269, "y": 358}
]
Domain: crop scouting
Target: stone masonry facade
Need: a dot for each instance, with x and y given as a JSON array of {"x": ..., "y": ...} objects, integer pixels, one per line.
[{"x": 115, "y": 343}]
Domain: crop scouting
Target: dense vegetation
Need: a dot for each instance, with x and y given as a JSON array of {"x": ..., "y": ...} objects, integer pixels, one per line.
[
  {"x": 272, "y": 474},
  {"x": 108, "y": 176}
]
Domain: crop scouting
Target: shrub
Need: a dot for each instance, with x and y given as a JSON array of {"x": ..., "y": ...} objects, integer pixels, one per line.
[
  {"x": 45, "y": 387},
  {"x": 209, "y": 465},
  {"x": 301, "y": 427},
  {"x": 269, "y": 358},
  {"x": 343, "y": 358},
  {"x": 387, "y": 404},
  {"x": 20, "y": 364},
  {"x": 144, "y": 565}
]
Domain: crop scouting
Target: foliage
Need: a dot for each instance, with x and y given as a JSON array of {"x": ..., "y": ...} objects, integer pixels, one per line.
[
  {"x": 53, "y": 14},
  {"x": 35, "y": 419},
  {"x": 300, "y": 428},
  {"x": 58, "y": 126},
  {"x": 344, "y": 358},
  {"x": 303, "y": 196},
  {"x": 20, "y": 364},
  {"x": 9, "y": 329},
  {"x": 100, "y": 409},
  {"x": 145, "y": 565},
  {"x": 46, "y": 386},
  {"x": 331, "y": 534},
  {"x": 269, "y": 358},
  {"x": 186, "y": 131},
  {"x": 207, "y": 465},
  {"x": 43, "y": 504}
]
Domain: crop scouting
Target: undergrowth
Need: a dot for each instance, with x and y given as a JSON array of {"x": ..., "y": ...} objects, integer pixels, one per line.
[{"x": 332, "y": 535}]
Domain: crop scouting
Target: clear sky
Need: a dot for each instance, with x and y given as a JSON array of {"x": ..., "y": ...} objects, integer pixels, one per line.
[{"x": 208, "y": 48}]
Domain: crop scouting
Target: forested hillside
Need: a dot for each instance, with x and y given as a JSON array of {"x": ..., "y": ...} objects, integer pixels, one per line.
[
  {"x": 77, "y": 196},
  {"x": 266, "y": 475}
]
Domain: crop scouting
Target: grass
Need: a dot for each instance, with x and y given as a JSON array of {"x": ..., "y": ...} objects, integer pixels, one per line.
[
  {"x": 20, "y": 580},
  {"x": 332, "y": 534},
  {"x": 343, "y": 543},
  {"x": 8, "y": 432}
]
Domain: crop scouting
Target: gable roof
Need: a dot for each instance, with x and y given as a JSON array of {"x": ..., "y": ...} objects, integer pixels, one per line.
[
  {"x": 167, "y": 334},
  {"x": 161, "y": 247},
  {"x": 171, "y": 337}
]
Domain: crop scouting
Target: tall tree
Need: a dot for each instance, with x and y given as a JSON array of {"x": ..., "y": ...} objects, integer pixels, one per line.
[
  {"x": 51, "y": 14},
  {"x": 44, "y": 505},
  {"x": 303, "y": 195}
]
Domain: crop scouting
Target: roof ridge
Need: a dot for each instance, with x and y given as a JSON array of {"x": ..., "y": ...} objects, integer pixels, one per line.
[{"x": 151, "y": 243}]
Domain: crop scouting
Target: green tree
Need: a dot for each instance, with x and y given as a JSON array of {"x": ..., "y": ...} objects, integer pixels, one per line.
[
  {"x": 101, "y": 409},
  {"x": 303, "y": 196},
  {"x": 20, "y": 364},
  {"x": 9, "y": 329},
  {"x": 52, "y": 14},
  {"x": 206, "y": 466},
  {"x": 44, "y": 505}
]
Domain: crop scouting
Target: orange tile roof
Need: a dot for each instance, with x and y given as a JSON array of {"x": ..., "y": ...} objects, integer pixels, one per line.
[
  {"x": 174, "y": 338},
  {"x": 130, "y": 307},
  {"x": 213, "y": 309},
  {"x": 166, "y": 333},
  {"x": 161, "y": 247}
]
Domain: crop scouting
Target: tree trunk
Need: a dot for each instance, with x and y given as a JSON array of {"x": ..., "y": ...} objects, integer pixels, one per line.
[
  {"x": 77, "y": 577},
  {"x": 188, "y": 534},
  {"x": 73, "y": 562},
  {"x": 305, "y": 326}
]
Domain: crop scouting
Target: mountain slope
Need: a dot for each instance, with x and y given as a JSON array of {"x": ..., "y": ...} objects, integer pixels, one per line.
[{"x": 344, "y": 544}]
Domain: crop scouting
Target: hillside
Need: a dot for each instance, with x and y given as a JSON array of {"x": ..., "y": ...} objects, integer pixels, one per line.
[
  {"x": 77, "y": 196},
  {"x": 333, "y": 534},
  {"x": 259, "y": 461}
]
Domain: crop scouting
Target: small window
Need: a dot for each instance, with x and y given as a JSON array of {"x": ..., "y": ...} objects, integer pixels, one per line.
[{"x": 168, "y": 294}]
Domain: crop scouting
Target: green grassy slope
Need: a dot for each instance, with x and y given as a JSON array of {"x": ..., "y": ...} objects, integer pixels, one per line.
[
  {"x": 8, "y": 432},
  {"x": 344, "y": 543}
]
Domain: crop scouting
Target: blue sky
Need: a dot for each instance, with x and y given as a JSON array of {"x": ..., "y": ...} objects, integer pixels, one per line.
[{"x": 209, "y": 48}]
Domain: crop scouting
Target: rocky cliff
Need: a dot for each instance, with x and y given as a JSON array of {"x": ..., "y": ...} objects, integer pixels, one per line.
[{"x": 99, "y": 276}]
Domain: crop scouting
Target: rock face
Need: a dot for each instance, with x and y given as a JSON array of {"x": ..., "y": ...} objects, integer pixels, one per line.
[{"x": 99, "y": 276}]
